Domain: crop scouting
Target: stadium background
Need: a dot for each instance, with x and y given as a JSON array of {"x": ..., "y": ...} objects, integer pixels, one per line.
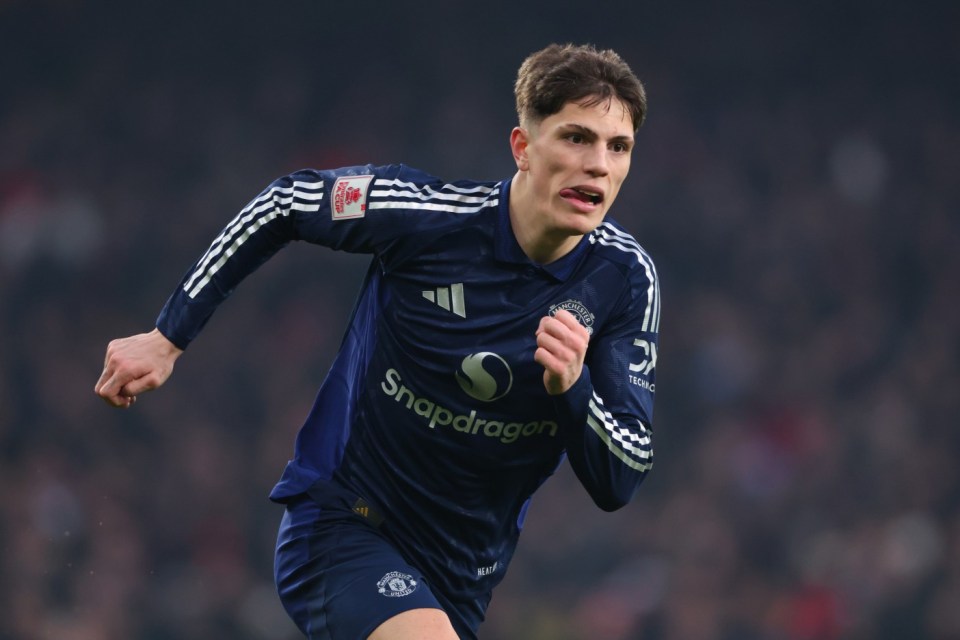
[{"x": 796, "y": 183}]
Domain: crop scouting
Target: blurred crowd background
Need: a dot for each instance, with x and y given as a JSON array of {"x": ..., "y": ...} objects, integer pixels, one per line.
[{"x": 796, "y": 182}]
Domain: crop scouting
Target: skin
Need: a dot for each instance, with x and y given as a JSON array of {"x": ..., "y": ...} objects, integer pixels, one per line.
[
  {"x": 416, "y": 624},
  {"x": 134, "y": 365},
  {"x": 578, "y": 148}
]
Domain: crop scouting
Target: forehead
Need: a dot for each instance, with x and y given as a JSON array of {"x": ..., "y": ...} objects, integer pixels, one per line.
[{"x": 608, "y": 118}]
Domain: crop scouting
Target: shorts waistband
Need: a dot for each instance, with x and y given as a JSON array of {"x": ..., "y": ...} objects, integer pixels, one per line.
[{"x": 322, "y": 490}]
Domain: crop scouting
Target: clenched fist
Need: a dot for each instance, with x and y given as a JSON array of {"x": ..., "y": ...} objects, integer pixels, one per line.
[
  {"x": 133, "y": 365},
  {"x": 561, "y": 348}
]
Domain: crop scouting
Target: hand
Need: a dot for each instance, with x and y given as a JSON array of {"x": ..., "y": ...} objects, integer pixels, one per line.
[
  {"x": 561, "y": 348},
  {"x": 134, "y": 365}
]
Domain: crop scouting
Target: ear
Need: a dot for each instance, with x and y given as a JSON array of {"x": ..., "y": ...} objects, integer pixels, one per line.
[{"x": 519, "y": 141}]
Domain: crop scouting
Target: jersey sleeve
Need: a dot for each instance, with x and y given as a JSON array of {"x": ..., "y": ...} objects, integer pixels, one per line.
[
  {"x": 328, "y": 208},
  {"x": 609, "y": 411}
]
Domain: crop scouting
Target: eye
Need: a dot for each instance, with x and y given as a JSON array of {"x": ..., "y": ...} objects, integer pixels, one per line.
[
  {"x": 576, "y": 138},
  {"x": 620, "y": 147}
]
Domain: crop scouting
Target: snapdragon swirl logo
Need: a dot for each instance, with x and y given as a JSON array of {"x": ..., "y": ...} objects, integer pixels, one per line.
[{"x": 485, "y": 376}]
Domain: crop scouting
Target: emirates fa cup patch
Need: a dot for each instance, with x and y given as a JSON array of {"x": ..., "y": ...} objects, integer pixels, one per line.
[{"x": 350, "y": 197}]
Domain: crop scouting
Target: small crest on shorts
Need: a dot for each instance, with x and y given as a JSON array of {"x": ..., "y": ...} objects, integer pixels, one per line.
[
  {"x": 397, "y": 585},
  {"x": 350, "y": 197},
  {"x": 579, "y": 311}
]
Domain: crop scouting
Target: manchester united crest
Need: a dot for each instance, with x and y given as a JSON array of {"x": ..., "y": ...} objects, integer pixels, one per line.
[
  {"x": 397, "y": 585},
  {"x": 579, "y": 311}
]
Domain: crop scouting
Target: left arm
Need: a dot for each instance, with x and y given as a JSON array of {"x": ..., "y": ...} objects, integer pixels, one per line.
[{"x": 605, "y": 397}]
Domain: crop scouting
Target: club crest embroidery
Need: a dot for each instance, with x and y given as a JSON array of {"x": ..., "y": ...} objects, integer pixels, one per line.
[
  {"x": 397, "y": 585},
  {"x": 579, "y": 311},
  {"x": 349, "y": 198}
]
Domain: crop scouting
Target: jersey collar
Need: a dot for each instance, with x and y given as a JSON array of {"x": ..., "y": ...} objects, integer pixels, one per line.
[{"x": 507, "y": 248}]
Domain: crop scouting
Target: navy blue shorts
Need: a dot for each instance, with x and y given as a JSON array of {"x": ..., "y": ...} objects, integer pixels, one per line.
[{"x": 339, "y": 578}]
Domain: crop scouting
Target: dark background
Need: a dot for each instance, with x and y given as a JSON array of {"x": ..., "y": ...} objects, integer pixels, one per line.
[{"x": 796, "y": 182}]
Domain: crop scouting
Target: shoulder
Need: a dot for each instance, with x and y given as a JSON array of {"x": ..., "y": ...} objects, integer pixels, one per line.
[
  {"x": 639, "y": 285},
  {"x": 411, "y": 187},
  {"x": 613, "y": 243},
  {"x": 399, "y": 186}
]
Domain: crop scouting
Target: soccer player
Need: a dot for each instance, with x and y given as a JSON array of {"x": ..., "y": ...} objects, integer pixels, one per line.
[{"x": 501, "y": 327}]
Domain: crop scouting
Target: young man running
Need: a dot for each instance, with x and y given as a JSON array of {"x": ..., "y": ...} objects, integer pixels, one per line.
[{"x": 502, "y": 326}]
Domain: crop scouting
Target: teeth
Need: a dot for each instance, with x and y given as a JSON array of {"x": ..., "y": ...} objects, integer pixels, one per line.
[{"x": 593, "y": 195}]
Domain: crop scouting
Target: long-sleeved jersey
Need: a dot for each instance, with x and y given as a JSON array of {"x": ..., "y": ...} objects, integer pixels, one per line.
[{"x": 434, "y": 409}]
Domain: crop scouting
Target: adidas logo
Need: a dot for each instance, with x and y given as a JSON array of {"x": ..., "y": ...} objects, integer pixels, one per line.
[{"x": 449, "y": 298}]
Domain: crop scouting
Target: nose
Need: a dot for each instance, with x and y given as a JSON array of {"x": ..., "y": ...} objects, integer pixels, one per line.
[{"x": 595, "y": 162}]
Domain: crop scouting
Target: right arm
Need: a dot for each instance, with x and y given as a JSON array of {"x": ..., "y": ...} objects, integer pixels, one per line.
[
  {"x": 143, "y": 362},
  {"x": 294, "y": 207},
  {"x": 322, "y": 207}
]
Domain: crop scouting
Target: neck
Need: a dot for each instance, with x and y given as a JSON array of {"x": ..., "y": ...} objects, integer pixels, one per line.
[{"x": 540, "y": 243}]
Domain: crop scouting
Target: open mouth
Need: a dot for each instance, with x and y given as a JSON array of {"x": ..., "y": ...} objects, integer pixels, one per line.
[{"x": 582, "y": 194}]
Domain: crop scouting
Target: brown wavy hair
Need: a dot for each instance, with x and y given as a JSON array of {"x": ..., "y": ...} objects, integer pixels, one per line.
[{"x": 552, "y": 77}]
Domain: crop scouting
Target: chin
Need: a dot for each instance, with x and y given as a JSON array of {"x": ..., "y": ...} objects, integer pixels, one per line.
[
  {"x": 583, "y": 225},
  {"x": 578, "y": 223}
]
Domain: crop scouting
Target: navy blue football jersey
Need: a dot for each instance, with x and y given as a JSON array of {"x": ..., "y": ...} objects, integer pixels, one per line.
[{"x": 434, "y": 409}]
